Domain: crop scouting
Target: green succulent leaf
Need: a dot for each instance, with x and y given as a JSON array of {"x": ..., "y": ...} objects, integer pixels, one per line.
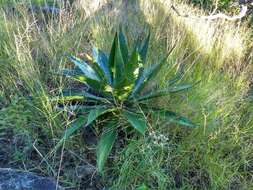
[
  {"x": 144, "y": 49},
  {"x": 145, "y": 77},
  {"x": 102, "y": 60},
  {"x": 176, "y": 78},
  {"x": 82, "y": 109},
  {"x": 133, "y": 67},
  {"x": 179, "y": 88},
  {"x": 82, "y": 94},
  {"x": 142, "y": 187},
  {"x": 95, "y": 113},
  {"x": 123, "y": 46},
  {"x": 174, "y": 118},
  {"x": 138, "y": 121},
  {"x": 165, "y": 92},
  {"x": 116, "y": 62},
  {"x": 71, "y": 72},
  {"x": 77, "y": 124},
  {"x": 87, "y": 70},
  {"x": 77, "y": 75},
  {"x": 119, "y": 66},
  {"x": 112, "y": 56},
  {"x": 64, "y": 99},
  {"x": 105, "y": 144}
]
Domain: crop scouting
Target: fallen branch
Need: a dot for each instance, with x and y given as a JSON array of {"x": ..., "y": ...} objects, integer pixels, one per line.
[{"x": 243, "y": 13}]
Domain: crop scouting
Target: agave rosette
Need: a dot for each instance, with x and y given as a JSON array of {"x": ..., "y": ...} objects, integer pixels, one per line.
[{"x": 113, "y": 86}]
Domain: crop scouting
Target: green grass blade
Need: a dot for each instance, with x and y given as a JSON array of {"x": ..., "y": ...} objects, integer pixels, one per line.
[
  {"x": 105, "y": 145},
  {"x": 138, "y": 121}
]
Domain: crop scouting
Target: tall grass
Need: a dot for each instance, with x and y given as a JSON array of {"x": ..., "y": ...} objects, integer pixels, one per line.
[{"x": 216, "y": 56}]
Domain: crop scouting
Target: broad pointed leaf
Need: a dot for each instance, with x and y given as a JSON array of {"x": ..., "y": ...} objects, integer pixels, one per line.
[
  {"x": 180, "y": 87},
  {"x": 95, "y": 113},
  {"x": 81, "y": 109},
  {"x": 138, "y": 121},
  {"x": 145, "y": 77},
  {"x": 144, "y": 49},
  {"x": 174, "y": 117},
  {"x": 76, "y": 74},
  {"x": 165, "y": 92},
  {"x": 119, "y": 66},
  {"x": 71, "y": 72},
  {"x": 105, "y": 145},
  {"x": 102, "y": 60},
  {"x": 123, "y": 46},
  {"x": 142, "y": 187},
  {"x": 77, "y": 124},
  {"x": 68, "y": 94},
  {"x": 133, "y": 67},
  {"x": 112, "y": 55},
  {"x": 87, "y": 70},
  {"x": 176, "y": 78}
]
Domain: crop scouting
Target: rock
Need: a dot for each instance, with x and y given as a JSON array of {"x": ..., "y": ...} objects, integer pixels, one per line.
[
  {"x": 16, "y": 180},
  {"x": 90, "y": 6}
]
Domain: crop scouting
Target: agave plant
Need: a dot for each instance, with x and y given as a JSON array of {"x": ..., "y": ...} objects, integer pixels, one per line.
[{"x": 114, "y": 90}]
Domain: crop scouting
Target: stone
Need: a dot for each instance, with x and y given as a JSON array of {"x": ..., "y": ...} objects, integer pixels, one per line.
[{"x": 11, "y": 179}]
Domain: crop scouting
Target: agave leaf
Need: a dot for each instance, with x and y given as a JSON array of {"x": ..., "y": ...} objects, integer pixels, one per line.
[
  {"x": 145, "y": 77},
  {"x": 103, "y": 62},
  {"x": 138, "y": 121},
  {"x": 105, "y": 145},
  {"x": 123, "y": 46},
  {"x": 71, "y": 94},
  {"x": 116, "y": 62},
  {"x": 133, "y": 67},
  {"x": 81, "y": 109},
  {"x": 144, "y": 49},
  {"x": 71, "y": 72},
  {"x": 122, "y": 90},
  {"x": 77, "y": 124},
  {"x": 165, "y": 92},
  {"x": 179, "y": 88},
  {"x": 112, "y": 56},
  {"x": 176, "y": 78},
  {"x": 142, "y": 187},
  {"x": 119, "y": 66},
  {"x": 95, "y": 113},
  {"x": 174, "y": 117},
  {"x": 146, "y": 74},
  {"x": 87, "y": 70},
  {"x": 63, "y": 99},
  {"x": 95, "y": 85}
]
